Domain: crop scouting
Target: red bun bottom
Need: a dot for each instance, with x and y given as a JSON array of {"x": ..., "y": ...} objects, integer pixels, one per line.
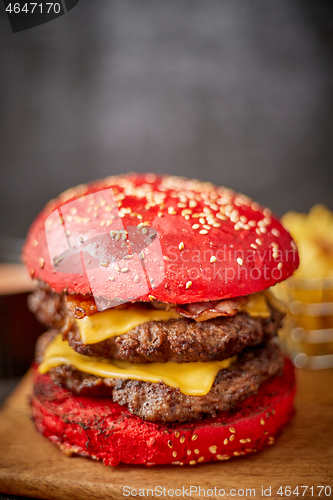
[{"x": 103, "y": 430}]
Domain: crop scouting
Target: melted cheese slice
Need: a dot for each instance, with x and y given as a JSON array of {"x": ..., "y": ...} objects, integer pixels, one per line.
[
  {"x": 112, "y": 322},
  {"x": 195, "y": 379}
]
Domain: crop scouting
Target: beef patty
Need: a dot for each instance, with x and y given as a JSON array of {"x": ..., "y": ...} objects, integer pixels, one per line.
[
  {"x": 159, "y": 402},
  {"x": 179, "y": 340}
]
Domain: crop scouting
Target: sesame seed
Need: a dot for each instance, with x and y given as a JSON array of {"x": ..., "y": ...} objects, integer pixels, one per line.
[
  {"x": 201, "y": 459},
  {"x": 177, "y": 434},
  {"x": 117, "y": 269},
  {"x": 195, "y": 226},
  {"x": 203, "y": 231},
  {"x": 125, "y": 270},
  {"x": 187, "y": 217},
  {"x": 182, "y": 439},
  {"x": 193, "y": 203},
  {"x": 196, "y": 451},
  {"x": 188, "y": 285},
  {"x": 136, "y": 278},
  {"x": 253, "y": 246},
  {"x": 151, "y": 297},
  {"x": 144, "y": 230},
  {"x": 213, "y": 449},
  {"x": 236, "y": 453},
  {"x": 239, "y": 261},
  {"x": 152, "y": 235},
  {"x": 258, "y": 241},
  {"x": 216, "y": 224},
  {"x": 189, "y": 452},
  {"x": 117, "y": 238},
  {"x": 202, "y": 220},
  {"x": 262, "y": 422},
  {"x": 128, "y": 257},
  {"x": 193, "y": 462},
  {"x": 35, "y": 243},
  {"x": 174, "y": 454},
  {"x": 231, "y": 429},
  {"x": 170, "y": 444},
  {"x": 212, "y": 259},
  {"x": 226, "y": 441},
  {"x": 41, "y": 262},
  {"x": 112, "y": 234},
  {"x": 242, "y": 441},
  {"x": 104, "y": 264},
  {"x": 221, "y": 216},
  {"x": 194, "y": 437},
  {"x": 181, "y": 246},
  {"x": 222, "y": 457},
  {"x": 111, "y": 278},
  {"x": 160, "y": 214},
  {"x": 280, "y": 265},
  {"x": 141, "y": 255},
  {"x": 206, "y": 226},
  {"x": 232, "y": 437},
  {"x": 276, "y": 232}
]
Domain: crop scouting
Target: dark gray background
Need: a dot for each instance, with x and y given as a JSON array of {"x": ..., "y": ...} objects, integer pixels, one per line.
[{"x": 235, "y": 92}]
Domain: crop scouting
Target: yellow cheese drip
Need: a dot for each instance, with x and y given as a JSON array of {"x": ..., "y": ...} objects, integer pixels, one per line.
[
  {"x": 112, "y": 322},
  {"x": 195, "y": 379},
  {"x": 256, "y": 306}
]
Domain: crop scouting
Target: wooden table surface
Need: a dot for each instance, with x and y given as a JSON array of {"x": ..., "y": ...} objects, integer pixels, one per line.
[{"x": 32, "y": 466}]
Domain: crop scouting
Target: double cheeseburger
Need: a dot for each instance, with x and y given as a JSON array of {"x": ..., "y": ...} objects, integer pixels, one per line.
[{"x": 160, "y": 348}]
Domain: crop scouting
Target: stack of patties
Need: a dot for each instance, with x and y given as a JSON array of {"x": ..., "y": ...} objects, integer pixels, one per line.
[{"x": 161, "y": 343}]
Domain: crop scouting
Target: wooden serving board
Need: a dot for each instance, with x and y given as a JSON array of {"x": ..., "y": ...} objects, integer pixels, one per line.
[{"x": 32, "y": 466}]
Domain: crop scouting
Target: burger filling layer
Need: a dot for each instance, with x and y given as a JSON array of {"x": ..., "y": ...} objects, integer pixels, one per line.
[
  {"x": 158, "y": 401},
  {"x": 162, "y": 361},
  {"x": 157, "y": 338}
]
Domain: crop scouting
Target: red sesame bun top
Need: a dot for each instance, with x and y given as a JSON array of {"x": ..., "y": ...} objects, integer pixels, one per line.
[{"x": 147, "y": 237}]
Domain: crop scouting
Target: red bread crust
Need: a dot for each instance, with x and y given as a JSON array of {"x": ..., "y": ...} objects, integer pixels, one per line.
[
  {"x": 180, "y": 258},
  {"x": 103, "y": 430}
]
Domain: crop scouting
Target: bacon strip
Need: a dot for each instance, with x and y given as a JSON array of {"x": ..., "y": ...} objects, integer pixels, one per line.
[
  {"x": 84, "y": 305},
  {"x": 201, "y": 311}
]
